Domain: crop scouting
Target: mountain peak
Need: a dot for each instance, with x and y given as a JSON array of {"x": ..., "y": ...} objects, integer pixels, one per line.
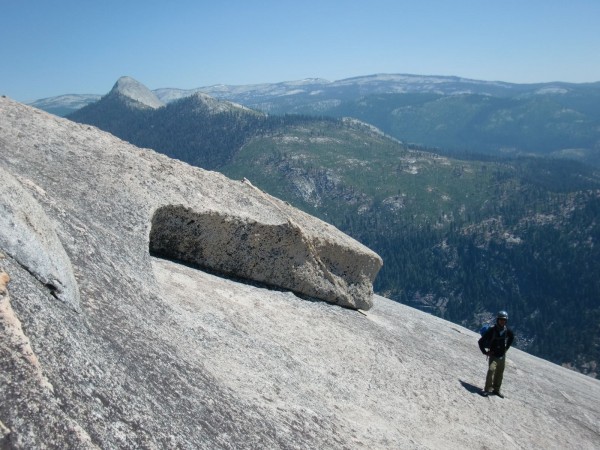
[
  {"x": 135, "y": 90},
  {"x": 216, "y": 106}
]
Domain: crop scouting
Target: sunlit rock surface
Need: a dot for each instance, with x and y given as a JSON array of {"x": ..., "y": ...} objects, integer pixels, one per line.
[{"x": 104, "y": 346}]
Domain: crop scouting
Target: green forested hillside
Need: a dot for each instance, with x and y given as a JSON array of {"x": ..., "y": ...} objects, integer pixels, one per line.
[
  {"x": 556, "y": 124},
  {"x": 193, "y": 129},
  {"x": 459, "y": 238},
  {"x": 187, "y": 129}
]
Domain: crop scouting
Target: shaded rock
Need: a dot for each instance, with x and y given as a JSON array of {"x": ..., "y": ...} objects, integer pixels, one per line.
[
  {"x": 95, "y": 196},
  {"x": 28, "y": 236}
]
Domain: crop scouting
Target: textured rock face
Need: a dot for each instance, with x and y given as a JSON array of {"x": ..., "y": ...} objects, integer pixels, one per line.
[
  {"x": 281, "y": 255},
  {"x": 28, "y": 236},
  {"x": 138, "y": 352}
]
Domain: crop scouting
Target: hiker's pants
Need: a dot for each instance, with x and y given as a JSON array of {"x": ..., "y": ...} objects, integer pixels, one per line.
[{"x": 495, "y": 373}]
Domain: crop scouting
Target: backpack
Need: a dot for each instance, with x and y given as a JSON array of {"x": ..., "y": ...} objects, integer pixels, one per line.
[{"x": 483, "y": 330}]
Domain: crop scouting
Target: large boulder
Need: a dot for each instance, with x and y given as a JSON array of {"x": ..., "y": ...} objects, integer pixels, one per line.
[{"x": 281, "y": 254}]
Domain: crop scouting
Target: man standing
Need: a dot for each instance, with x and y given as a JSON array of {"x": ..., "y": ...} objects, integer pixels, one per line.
[{"x": 494, "y": 343}]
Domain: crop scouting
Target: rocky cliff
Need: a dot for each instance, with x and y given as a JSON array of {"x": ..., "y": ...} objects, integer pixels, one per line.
[{"x": 226, "y": 342}]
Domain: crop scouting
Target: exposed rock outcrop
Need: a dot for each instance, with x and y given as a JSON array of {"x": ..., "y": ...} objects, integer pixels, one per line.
[
  {"x": 29, "y": 237},
  {"x": 280, "y": 254},
  {"x": 139, "y": 352},
  {"x": 135, "y": 90}
]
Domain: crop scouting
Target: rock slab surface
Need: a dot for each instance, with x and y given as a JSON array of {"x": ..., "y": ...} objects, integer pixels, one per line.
[{"x": 104, "y": 346}]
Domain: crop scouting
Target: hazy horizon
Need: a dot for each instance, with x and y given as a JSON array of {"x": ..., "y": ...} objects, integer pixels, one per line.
[{"x": 72, "y": 47}]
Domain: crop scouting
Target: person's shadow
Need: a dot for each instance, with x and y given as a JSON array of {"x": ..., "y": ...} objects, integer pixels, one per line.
[{"x": 470, "y": 387}]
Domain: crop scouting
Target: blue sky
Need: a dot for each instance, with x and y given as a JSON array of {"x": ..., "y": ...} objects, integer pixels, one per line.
[{"x": 50, "y": 48}]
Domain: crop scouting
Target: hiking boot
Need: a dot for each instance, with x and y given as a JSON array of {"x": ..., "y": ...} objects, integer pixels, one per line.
[{"x": 498, "y": 394}]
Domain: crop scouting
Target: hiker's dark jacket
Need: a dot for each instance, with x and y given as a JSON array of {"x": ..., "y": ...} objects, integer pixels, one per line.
[{"x": 497, "y": 339}]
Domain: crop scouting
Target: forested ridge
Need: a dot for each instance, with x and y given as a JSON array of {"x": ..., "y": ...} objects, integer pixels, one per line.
[
  {"x": 186, "y": 129},
  {"x": 460, "y": 238},
  {"x": 544, "y": 124}
]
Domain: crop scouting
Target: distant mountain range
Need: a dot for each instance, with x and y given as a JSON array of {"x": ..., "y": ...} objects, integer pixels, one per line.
[
  {"x": 284, "y": 96},
  {"x": 63, "y": 105},
  {"x": 446, "y": 114},
  {"x": 459, "y": 237}
]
